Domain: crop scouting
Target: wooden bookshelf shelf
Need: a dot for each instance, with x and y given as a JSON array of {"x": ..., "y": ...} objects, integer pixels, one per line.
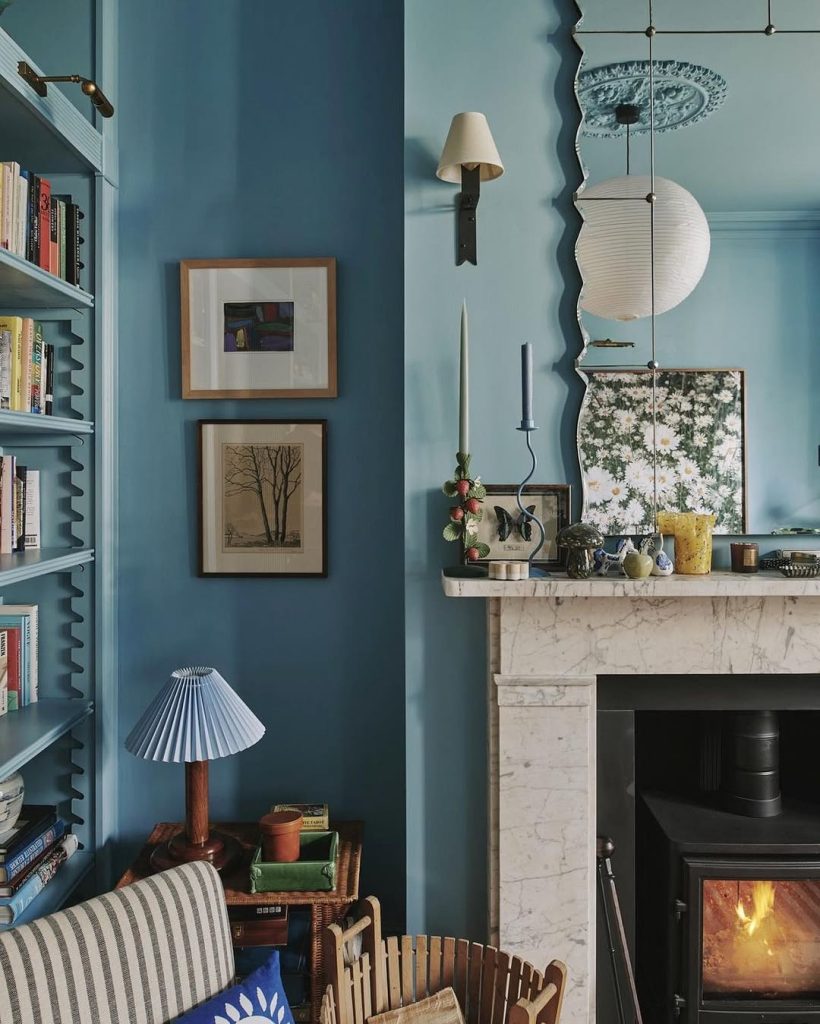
[
  {"x": 26, "y": 733},
  {"x": 25, "y": 565},
  {"x": 46, "y": 134},
  {"x": 27, "y": 422},
  {"x": 25, "y": 286},
  {"x": 58, "y": 890}
]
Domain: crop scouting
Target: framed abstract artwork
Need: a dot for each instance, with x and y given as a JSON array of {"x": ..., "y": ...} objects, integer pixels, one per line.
[
  {"x": 263, "y": 497},
  {"x": 508, "y": 534},
  {"x": 258, "y": 328},
  {"x": 692, "y": 457}
]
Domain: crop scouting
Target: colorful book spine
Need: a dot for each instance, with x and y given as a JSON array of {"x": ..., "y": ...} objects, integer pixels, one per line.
[
  {"x": 13, "y": 906},
  {"x": 33, "y": 510},
  {"x": 4, "y": 672},
  {"x": 25, "y": 371},
  {"x": 14, "y": 325},
  {"x": 21, "y": 475},
  {"x": 37, "y": 353},
  {"x": 24, "y": 617},
  {"x": 22, "y": 209},
  {"x": 61, "y": 237},
  {"x": 49, "y": 395},
  {"x": 33, "y": 850},
  {"x": 5, "y": 369},
  {"x": 32, "y": 216},
  {"x": 13, "y": 641},
  {"x": 6, "y": 220},
  {"x": 54, "y": 243},
  {"x": 44, "y": 225},
  {"x": 7, "y": 504}
]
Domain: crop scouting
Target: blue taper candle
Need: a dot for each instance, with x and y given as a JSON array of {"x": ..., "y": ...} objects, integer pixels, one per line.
[
  {"x": 464, "y": 386},
  {"x": 526, "y": 384}
]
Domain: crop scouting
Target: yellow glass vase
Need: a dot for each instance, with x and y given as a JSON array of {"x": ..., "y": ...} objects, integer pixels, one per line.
[{"x": 693, "y": 540}]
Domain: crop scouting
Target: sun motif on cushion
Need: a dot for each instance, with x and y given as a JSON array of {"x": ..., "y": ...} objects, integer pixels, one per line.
[{"x": 247, "y": 1013}]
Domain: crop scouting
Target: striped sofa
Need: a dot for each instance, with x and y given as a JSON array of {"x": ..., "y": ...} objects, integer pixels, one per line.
[{"x": 141, "y": 955}]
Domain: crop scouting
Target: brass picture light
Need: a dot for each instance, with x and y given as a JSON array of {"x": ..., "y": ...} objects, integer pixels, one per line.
[{"x": 90, "y": 88}]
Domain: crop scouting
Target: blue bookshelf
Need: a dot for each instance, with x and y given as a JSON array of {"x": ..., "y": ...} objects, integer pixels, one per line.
[{"x": 65, "y": 744}]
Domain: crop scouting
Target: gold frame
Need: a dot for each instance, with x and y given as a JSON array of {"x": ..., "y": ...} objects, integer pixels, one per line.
[{"x": 331, "y": 391}]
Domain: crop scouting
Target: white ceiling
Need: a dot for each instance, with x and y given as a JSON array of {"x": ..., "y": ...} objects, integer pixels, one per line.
[{"x": 761, "y": 149}]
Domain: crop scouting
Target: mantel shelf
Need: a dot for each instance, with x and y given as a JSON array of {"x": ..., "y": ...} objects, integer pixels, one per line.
[
  {"x": 26, "y": 286},
  {"x": 25, "y": 565},
  {"x": 716, "y": 584},
  {"x": 25, "y": 422},
  {"x": 28, "y": 732}
]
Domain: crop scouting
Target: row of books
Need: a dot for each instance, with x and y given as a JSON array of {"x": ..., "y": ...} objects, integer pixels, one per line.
[
  {"x": 19, "y": 648},
  {"x": 31, "y": 854},
  {"x": 26, "y": 366},
  {"x": 42, "y": 227},
  {"x": 19, "y": 506}
]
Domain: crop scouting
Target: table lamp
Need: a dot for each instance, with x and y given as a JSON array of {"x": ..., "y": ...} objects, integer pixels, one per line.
[{"x": 196, "y": 717}]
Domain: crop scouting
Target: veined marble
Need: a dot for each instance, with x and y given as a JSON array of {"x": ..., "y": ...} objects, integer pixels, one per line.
[{"x": 548, "y": 641}]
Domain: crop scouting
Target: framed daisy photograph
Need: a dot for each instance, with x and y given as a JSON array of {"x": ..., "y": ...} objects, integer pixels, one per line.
[{"x": 692, "y": 455}]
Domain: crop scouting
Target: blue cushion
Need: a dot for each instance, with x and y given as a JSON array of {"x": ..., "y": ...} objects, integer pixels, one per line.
[{"x": 259, "y": 999}]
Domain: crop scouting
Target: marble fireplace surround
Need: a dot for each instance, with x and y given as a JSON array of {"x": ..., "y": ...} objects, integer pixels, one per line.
[{"x": 548, "y": 641}]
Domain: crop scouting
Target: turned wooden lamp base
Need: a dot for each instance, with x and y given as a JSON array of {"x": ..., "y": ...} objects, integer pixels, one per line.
[{"x": 196, "y": 841}]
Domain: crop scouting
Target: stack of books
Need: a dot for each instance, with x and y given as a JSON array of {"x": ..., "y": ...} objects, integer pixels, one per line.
[
  {"x": 38, "y": 226},
  {"x": 19, "y": 506},
  {"x": 19, "y": 636},
  {"x": 31, "y": 854},
  {"x": 26, "y": 366}
]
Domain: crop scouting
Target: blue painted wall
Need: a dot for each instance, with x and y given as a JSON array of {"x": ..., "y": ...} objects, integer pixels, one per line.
[
  {"x": 517, "y": 66},
  {"x": 261, "y": 129},
  {"x": 756, "y": 308}
]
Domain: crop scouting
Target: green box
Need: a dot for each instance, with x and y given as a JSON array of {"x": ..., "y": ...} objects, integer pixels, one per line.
[{"x": 315, "y": 871}]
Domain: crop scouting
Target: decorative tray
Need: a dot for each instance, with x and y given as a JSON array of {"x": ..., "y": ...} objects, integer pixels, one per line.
[
  {"x": 798, "y": 570},
  {"x": 315, "y": 871}
]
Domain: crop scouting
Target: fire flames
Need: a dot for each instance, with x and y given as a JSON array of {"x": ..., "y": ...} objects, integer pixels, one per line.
[{"x": 762, "y": 907}]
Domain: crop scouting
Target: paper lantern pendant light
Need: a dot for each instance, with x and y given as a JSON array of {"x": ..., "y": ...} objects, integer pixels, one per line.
[{"x": 615, "y": 251}]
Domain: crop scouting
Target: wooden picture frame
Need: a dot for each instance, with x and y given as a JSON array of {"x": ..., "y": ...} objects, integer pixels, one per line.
[
  {"x": 258, "y": 328},
  {"x": 552, "y": 507},
  {"x": 263, "y": 497}
]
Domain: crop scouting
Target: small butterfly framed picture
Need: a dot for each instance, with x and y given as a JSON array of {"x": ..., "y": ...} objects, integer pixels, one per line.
[{"x": 511, "y": 536}]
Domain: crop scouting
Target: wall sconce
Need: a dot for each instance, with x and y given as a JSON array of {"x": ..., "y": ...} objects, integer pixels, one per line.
[
  {"x": 90, "y": 88},
  {"x": 468, "y": 158}
]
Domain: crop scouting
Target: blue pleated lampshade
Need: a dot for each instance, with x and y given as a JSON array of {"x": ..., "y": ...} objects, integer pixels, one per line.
[{"x": 196, "y": 716}]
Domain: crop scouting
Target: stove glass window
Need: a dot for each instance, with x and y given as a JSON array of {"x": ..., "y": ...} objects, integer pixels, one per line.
[{"x": 761, "y": 939}]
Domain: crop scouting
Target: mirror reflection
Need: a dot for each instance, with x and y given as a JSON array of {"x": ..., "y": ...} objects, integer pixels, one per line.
[{"x": 731, "y": 425}]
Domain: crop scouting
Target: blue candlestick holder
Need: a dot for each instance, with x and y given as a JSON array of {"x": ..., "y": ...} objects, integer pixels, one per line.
[{"x": 527, "y": 427}]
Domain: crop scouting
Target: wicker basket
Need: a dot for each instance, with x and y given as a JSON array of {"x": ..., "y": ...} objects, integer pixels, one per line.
[{"x": 492, "y": 987}]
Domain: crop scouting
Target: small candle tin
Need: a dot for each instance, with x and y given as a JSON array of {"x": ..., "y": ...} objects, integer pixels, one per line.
[{"x": 745, "y": 557}]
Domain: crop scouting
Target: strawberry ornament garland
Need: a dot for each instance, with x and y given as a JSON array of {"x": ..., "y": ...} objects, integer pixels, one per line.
[{"x": 465, "y": 516}]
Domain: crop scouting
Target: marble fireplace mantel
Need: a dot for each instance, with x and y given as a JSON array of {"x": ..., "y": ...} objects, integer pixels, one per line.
[{"x": 548, "y": 641}]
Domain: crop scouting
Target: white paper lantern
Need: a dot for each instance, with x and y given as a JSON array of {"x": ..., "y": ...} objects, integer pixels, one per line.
[{"x": 614, "y": 247}]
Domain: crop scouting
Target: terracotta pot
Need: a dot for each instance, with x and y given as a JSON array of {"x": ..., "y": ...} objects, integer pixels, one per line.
[{"x": 280, "y": 835}]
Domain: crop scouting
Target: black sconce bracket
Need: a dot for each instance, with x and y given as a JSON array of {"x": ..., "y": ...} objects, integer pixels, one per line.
[
  {"x": 39, "y": 84},
  {"x": 467, "y": 203}
]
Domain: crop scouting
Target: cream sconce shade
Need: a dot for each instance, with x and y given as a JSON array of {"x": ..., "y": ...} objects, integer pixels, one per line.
[
  {"x": 468, "y": 158},
  {"x": 615, "y": 248}
]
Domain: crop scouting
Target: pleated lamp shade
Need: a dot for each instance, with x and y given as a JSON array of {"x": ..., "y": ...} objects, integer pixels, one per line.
[
  {"x": 615, "y": 251},
  {"x": 469, "y": 143},
  {"x": 196, "y": 716}
]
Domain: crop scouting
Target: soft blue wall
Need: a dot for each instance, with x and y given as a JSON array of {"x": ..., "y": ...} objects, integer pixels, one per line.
[
  {"x": 756, "y": 308},
  {"x": 517, "y": 66},
  {"x": 261, "y": 129}
]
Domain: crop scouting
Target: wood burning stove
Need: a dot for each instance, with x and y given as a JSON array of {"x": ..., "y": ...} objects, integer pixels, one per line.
[{"x": 728, "y": 914}]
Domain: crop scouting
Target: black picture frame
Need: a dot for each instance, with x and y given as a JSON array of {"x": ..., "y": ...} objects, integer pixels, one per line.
[{"x": 519, "y": 549}]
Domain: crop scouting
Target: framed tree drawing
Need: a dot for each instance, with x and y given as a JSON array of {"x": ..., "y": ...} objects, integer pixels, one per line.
[
  {"x": 263, "y": 497},
  {"x": 258, "y": 328}
]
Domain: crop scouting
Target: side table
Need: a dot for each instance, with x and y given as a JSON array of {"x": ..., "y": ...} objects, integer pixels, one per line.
[{"x": 325, "y": 907}]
